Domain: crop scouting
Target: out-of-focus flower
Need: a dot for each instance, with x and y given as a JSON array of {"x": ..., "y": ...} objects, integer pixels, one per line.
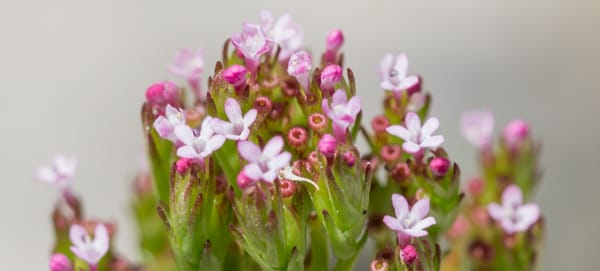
[
  {"x": 189, "y": 65},
  {"x": 284, "y": 32},
  {"x": 409, "y": 223},
  {"x": 515, "y": 132},
  {"x": 60, "y": 262},
  {"x": 330, "y": 76},
  {"x": 264, "y": 164},
  {"x": 299, "y": 66},
  {"x": 198, "y": 146},
  {"x": 415, "y": 136},
  {"x": 416, "y": 101},
  {"x": 165, "y": 125},
  {"x": 252, "y": 43},
  {"x": 59, "y": 173},
  {"x": 87, "y": 249},
  {"x": 513, "y": 215},
  {"x": 393, "y": 73},
  {"x": 342, "y": 112},
  {"x": 238, "y": 127},
  {"x": 478, "y": 127},
  {"x": 334, "y": 40},
  {"x": 160, "y": 94}
]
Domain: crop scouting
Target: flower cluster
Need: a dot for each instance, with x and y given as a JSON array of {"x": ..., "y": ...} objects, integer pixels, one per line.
[{"x": 259, "y": 169}]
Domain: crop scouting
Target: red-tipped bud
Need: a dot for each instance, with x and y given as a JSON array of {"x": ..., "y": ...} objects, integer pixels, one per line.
[
  {"x": 379, "y": 265},
  {"x": 263, "y": 105},
  {"x": 335, "y": 40},
  {"x": 391, "y": 153},
  {"x": 475, "y": 186},
  {"x": 379, "y": 124},
  {"x": 317, "y": 122},
  {"x": 235, "y": 75},
  {"x": 60, "y": 262},
  {"x": 330, "y": 76},
  {"x": 297, "y": 137},
  {"x": 288, "y": 188},
  {"x": 349, "y": 158},
  {"x": 515, "y": 133},
  {"x": 243, "y": 181},
  {"x": 408, "y": 254},
  {"x": 439, "y": 166},
  {"x": 327, "y": 145},
  {"x": 160, "y": 94}
]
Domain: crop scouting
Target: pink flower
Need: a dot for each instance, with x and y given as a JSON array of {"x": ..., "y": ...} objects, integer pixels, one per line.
[
  {"x": 188, "y": 64},
  {"x": 198, "y": 145},
  {"x": 327, "y": 145},
  {"x": 478, "y": 127},
  {"x": 165, "y": 125},
  {"x": 409, "y": 223},
  {"x": 284, "y": 32},
  {"x": 342, "y": 112},
  {"x": 513, "y": 215},
  {"x": 393, "y": 73},
  {"x": 87, "y": 249},
  {"x": 59, "y": 173},
  {"x": 334, "y": 40},
  {"x": 264, "y": 164},
  {"x": 415, "y": 136},
  {"x": 299, "y": 66},
  {"x": 330, "y": 76},
  {"x": 252, "y": 43},
  {"x": 236, "y": 76},
  {"x": 515, "y": 133},
  {"x": 238, "y": 127}
]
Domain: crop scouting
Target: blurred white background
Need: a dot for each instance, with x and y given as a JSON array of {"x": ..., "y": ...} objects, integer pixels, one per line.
[{"x": 73, "y": 75}]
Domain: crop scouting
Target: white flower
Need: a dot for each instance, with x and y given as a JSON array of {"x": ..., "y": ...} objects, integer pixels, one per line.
[{"x": 416, "y": 137}]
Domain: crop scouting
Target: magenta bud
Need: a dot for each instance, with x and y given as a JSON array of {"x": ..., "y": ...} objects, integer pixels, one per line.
[
  {"x": 379, "y": 265},
  {"x": 235, "y": 75},
  {"x": 182, "y": 165},
  {"x": 60, "y": 262},
  {"x": 439, "y": 166},
  {"x": 327, "y": 145},
  {"x": 516, "y": 132},
  {"x": 408, "y": 254},
  {"x": 334, "y": 40},
  {"x": 349, "y": 158},
  {"x": 163, "y": 93},
  {"x": 243, "y": 181},
  {"x": 330, "y": 76}
]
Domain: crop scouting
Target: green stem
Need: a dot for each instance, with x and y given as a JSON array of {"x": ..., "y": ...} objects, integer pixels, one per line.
[{"x": 318, "y": 247}]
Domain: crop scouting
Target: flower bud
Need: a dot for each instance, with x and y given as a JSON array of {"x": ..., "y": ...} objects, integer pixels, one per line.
[
  {"x": 390, "y": 153},
  {"x": 475, "y": 186},
  {"x": 60, "y": 262},
  {"x": 516, "y": 132},
  {"x": 401, "y": 172},
  {"x": 317, "y": 122},
  {"x": 379, "y": 265},
  {"x": 327, "y": 145},
  {"x": 263, "y": 105},
  {"x": 243, "y": 181},
  {"x": 182, "y": 165},
  {"x": 379, "y": 124},
  {"x": 236, "y": 76},
  {"x": 349, "y": 158},
  {"x": 439, "y": 166},
  {"x": 408, "y": 254},
  {"x": 335, "y": 40},
  {"x": 160, "y": 94},
  {"x": 297, "y": 137},
  {"x": 288, "y": 188},
  {"x": 330, "y": 76}
]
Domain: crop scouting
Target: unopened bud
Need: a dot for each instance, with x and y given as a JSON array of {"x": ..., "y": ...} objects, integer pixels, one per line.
[
  {"x": 349, "y": 158},
  {"x": 243, "y": 181},
  {"x": 335, "y": 40},
  {"x": 160, "y": 94},
  {"x": 516, "y": 132},
  {"x": 236, "y": 76},
  {"x": 327, "y": 145},
  {"x": 408, "y": 254},
  {"x": 330, "y": 76},
  {"x": 439, "y": 166},
  {"x": 60, "y": 262}
]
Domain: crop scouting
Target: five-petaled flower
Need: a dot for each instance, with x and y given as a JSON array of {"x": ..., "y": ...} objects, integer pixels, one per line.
[
  {"x": 284, "y": 32},
  {"x": 513, "y": 215},
  {"x": 264, "y": 164},
  {"x": 409, "y": 223},
  {"x": 60, "y": 172},
  {"x": 189, "y": 65},
  {"x": 478, "y": 127},
  {"x": 416, "y": 137},
  {"x": 252, "y": 43},
  {"x": 165, "y": 125},
  {"x": 238, "y": 127},
  {"x": 342, "y": 112},
  {"x": 87, "y": 249},
  {"x": 393, "y": 73},
  {"x": 198, "y": 145}
]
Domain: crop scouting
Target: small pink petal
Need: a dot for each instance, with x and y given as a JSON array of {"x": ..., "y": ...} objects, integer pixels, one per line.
[
  {"x": 279, "y": 161},
  {"x": 401, "y": 65},
  {"x": 400, "y": 206},
  {"x": 392, "y": 223},
  {"x": 273, "y": 147},
  {"x": 187, "y": 152},
  {"x": 496, "y": 211},
  {"x": 249, "y": 151},
  {"x": 420, "y": 209},
  {"x": 77, "y": 234},
  {"x": 429, "y": 127},
  {"x": 399, "y": 131},
  {"x": 433, "y": 141},
  {"x": 410, "y": 147},
  {"x": 512, "y": 196},
  {"x": 185, "y": 134},
  {"x": 412, "y": 122},
  {"x": 232, "y": 109},
  {"x": 425, "y": 223}
]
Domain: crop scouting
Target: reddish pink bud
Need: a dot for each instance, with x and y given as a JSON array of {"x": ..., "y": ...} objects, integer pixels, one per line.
[
  {"x": 313, "y": 158},
  {"x": 401, "y": 172},
  {"x": 330, "y": 76},
  {"x": 349, "y": 158},
  {"x": 288, "y": 188},
  {"x": 379, "y": 124},
  {"x": 416, "y": 87},
  {"x": 475, "y": 186},
  {"x": 334, "y": 40},
  {"x": 317, "y": 122},
  {"x": 297, "y": 137},
  {"x": 60, "y": 262},
  {"x": 390, "y": 153},
  {"x": 235, "y": 75},
  {"x": 182, "y": 165},
  {"x": 243, "y": 181},
  {"x": 160, "y": 94},
  {"x": 379, "y": 265},
  {"x": 515, "y": 133},
  {"x": 439, "y": 166},
  {"x": 408, "y": 254},
  {"x": 327, "y": 145},
  {"x": 263, "y": 105}
]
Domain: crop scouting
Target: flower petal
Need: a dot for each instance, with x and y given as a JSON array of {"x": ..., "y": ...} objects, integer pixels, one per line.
[
  {"x": 410, "y": 147},
  {"x": 512, "y": 196},
  {"x": 280, "y": 161},
  {"x": 101, "y": 239},
  {"x": 408, "y": 82},
  {"x": 429, "y": 127},
  {"x": 527, "y": 215},
  {"x": 496, "y": 211},
  {"x": 214, "y": 143},
  {"x": 78, "y": 234},
  {"x": 250, "y": 117},
  {"x": 398, "y": 131},
  {"x": 425, "y": 223},
  {"x": 233, "y": 110},
  {"x": 400, "y": 206},
  {"x": 47, "y": 175},
  {"x": 339, "y": 97},
  {"x": 414, "y": 232},
  {"x": 187, "y": 152},
  {"x": 253, "y": 172},
  {"x": 420, "y": 209},
  {"x": 433, "y": 141},
  {"x": 401, "y": 65},
  {"x": 249, "y": 151},
  {"x": 392, "y": 223},
  {"x": 413, "y": 122},
  {"x": 221, "y": 127},
  {"x": 385, "y": 66},
  {"x": 273, "y": 147},
  {"x": 353, "y": 107},
  {"x": 185, "y": 134},
  {"x": 206, "y": 129}
]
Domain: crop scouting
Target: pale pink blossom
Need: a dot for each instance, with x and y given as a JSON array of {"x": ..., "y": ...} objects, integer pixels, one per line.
[
  {"x": 416, "y": 137},
  {"x": 515, "y": 133},
  {"x": 343, "y": 112},
  {"x": 478, "y": 127},
  {"x": 284, "y": 32},
  {"x": 330, "y": 76},
  {"x": 165, "y": 125},
  {"x": 198, "y": 145},
  {"x": 252, "y": 43},
  {"x": 188, "y": 64},
  {"x": 238, "y": 127},
  {"x": 86, "y": 248},
  {"x": 393, "y": 73},
  {"x": 299, "y": 67},
  {"x": 264, "y": 164},
  {"x": 409, "y": 223},
  {"x": 513, "y": 215},
  {"x": 60, "y": 172}
]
